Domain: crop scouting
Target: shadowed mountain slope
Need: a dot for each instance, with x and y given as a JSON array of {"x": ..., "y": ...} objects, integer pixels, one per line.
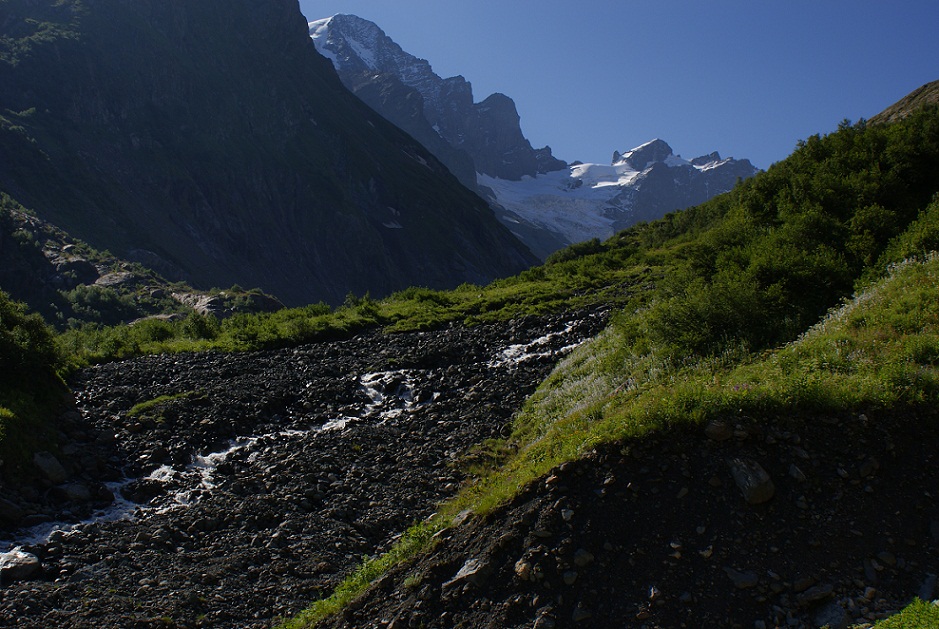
[{"x": 211, "y": 137}]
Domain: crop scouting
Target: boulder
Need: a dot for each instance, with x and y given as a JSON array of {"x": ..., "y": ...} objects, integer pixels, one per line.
[
  {"x": 50, "y": 467},
  {"x": 755, "y": 484},
  {"x": 17, "y": 565}
]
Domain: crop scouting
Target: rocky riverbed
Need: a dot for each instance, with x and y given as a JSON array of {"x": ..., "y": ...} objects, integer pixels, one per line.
[{"x": 228, "y": 490}]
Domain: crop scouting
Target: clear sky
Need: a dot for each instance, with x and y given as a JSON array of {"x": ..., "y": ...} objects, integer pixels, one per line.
[{"x": 747, "y": 78}]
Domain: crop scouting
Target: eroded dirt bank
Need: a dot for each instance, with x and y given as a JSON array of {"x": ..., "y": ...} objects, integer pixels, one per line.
[
  {"x": 840, "y": 527},
  {"x": 259, "y": 479}
]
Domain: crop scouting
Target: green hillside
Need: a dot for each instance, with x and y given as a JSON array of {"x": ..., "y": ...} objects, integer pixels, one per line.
[
  {"x": 810, "y": 288},
  {"x": 723, "y": 314}
]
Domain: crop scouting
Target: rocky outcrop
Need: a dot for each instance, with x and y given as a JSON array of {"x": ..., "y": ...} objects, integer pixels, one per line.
[
  {"x": 69, "y": 283},
  {"x": 489, "y": 132},
  {"x": 925, "y": 96}
]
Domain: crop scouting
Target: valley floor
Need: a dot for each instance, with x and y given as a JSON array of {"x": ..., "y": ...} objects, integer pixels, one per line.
[{"x": 247, "y": 485}]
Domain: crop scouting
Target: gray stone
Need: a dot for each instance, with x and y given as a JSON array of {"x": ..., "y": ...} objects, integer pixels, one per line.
[
  {"x": 816, "y": 593},
  {"x": 580, "y": 614},
  {"x": 868, "y": 467},
  {"x": 17, "y": 565},
  {"x": 583, "y": 558},
  {"x": 742, "y": 580},
  {"x": 831, "y": 615},
  {"x": 753, "y": 481},
  {"x": 474, "y": 571},
  {"x": 77, "y": 492},
  {"x": 545, "y": 621},
  {"x": 796, "y": 473},
  {"x": 928, "y": 589},
  {"x": 50, "y": 467}
]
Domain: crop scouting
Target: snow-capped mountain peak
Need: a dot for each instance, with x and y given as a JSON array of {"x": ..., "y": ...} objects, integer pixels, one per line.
[
  {"x": 653, "y": 151},
  {"x": 356, "y": 45},
  {"x": 596, "y": 200},
  {"x": 488, "y": 132}
]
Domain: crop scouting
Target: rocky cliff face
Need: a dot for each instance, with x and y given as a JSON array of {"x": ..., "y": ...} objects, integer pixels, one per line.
[
  {"x": 212, "y": 137},
  {"x": 488, "y": 132}
]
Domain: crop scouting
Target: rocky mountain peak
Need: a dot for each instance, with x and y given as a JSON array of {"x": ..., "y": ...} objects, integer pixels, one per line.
[
  {"x": 641, "y": 156},
  {"x": 357, "y": 45},
  {"x": 489, "y": 131},
  {"x": 710, "y": 158}
]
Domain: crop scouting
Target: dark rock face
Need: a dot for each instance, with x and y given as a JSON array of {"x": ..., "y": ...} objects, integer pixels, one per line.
[
  {"x": 404, "y": 106},
  {"x": 493, "y": 136},
  {"x": 262, "y": 478},
  {"x": 488, "y": 132},
  {"x": 212, "y": 136}
]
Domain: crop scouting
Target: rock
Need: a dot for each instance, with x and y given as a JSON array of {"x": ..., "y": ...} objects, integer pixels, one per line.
[
  {"x": 50, "y": 467},
  {"x": 742, "y": 580},
  {"x": 928, "y": 589},
  {"x": 77, "y": 492},
  {"x": 523, "y": 569},
  {"x": 17, "y": 565},
  {"x": 143, "y": 490},
  {"x": 474, "y": 571},
  {"x": 718, "y": 430},
  {"x": 831, "y": 615},
  {"x": 815, "y": 593},
  {"x": 753, "y": 481},
  {"x": 886, "y": 558},
  {"x": 802, "y": 584},
  {"x": 868, "y": 467},
  {"x": 580, "y": 614},
  {"x": 583, "y": 558},
  {"x": 796, "y": 473},
  {"x": 10, "y": 513}
]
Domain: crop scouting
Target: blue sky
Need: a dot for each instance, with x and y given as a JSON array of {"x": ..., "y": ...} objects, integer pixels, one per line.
[{"x": 745, "y": 78}]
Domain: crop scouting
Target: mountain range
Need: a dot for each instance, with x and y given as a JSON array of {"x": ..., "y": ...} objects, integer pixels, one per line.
[
  {"x": 211, "y": 142},
  {"x": 545, "y": 201}
]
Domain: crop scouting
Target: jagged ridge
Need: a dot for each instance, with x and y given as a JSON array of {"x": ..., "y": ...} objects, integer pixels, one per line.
[{"x": 488, "y": 131}]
